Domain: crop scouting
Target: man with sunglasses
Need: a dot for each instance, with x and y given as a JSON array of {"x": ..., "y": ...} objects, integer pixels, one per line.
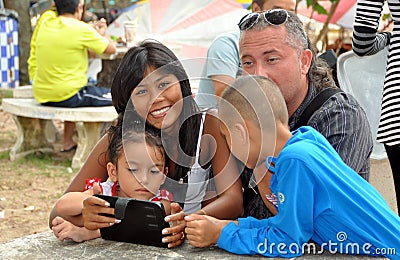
[
  {"x": 274, "y": 44},
  {"x": 223, "y": 59}
]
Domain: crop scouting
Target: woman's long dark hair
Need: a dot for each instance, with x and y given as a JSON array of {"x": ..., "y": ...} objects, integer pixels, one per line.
[{"x": 130, "y": 73}]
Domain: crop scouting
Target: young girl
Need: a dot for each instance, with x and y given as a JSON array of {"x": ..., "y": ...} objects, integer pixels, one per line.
[{"x": 136, "y": 170}]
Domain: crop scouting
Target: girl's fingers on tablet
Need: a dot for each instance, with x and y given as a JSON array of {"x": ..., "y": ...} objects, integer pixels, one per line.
[
  {"x": 93, "y": 213},
  {"x": 174, "y": 229},
  {"x": 174, "y": 240}
]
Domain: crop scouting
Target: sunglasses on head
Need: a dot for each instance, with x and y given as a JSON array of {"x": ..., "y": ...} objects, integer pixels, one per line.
[{"x": 273, "y": 17}]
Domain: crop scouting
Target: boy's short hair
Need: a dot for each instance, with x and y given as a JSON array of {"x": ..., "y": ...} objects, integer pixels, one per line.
[{"x": 256, "y": 99}]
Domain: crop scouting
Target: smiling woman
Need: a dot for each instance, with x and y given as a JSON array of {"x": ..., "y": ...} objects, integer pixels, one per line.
[
  {"x": 152, "y": 83},
  {"x": 156, "y": 96}
]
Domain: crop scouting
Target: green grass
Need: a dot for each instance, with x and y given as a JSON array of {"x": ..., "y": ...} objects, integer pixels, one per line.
[
  {"x": 5, "y": 155},
  {"x": 5, "y": 93},
  {"x": 37, "y": 164},
  {"x": 46, "y": 163}
]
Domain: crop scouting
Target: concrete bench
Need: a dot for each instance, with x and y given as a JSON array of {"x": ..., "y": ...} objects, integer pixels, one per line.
[
  {"x": 31, "y": 119},
  {"x": 23, "y": 92},
  {"x": 46, "y": 246}
]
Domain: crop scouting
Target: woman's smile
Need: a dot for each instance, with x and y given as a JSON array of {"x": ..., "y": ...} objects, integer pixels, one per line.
[{"x": 159, "y": 113}]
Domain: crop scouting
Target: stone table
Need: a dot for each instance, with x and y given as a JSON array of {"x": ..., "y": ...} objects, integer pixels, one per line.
[{"x": 46, "y": 246}]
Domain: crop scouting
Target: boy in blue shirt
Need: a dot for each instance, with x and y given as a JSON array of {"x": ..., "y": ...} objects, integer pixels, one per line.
[{"x": 318, "y": 196}]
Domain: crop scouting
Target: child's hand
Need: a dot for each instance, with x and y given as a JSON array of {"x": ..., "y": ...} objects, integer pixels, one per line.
[
  {"x": 91, "y": 210},
  {"x": 64, "y": 229},
  {"x": 203, "y": 231},
  {"x": 96, "y": 188},
  {"x": 176, "y": 231}
]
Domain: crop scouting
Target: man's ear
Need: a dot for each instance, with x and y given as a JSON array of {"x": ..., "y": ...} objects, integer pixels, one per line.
[
  {"x": 305, "y": 61},
  {"x": 112, "y": 172},
  {"x": 255, "y": 7},
  {"x": 78, "y": 7},
  {"x": 242, "y": 132}
]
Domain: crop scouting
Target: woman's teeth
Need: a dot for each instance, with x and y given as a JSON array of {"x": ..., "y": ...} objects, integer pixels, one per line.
[{"x": 160, "y": 112}]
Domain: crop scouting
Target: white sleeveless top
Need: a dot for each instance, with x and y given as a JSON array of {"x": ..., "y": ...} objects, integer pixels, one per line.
[{"x": 198, "y": 179}]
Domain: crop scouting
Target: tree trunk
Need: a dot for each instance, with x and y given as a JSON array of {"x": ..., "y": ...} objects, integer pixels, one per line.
[
  {"x": 324, "y": 30},
  {"x": 24, "y": 36}
]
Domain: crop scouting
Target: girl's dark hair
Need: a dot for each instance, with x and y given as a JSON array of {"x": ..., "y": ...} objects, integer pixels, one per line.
[
  {"x": 130, "y": 73},
  {"x": 133, "y": 132}
]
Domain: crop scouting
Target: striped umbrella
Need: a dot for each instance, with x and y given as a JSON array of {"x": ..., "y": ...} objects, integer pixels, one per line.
[{"x": 188, "y": 27}]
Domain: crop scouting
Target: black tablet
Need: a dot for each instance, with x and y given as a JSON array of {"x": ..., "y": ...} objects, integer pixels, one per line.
[{"x": 141, "y": 221}]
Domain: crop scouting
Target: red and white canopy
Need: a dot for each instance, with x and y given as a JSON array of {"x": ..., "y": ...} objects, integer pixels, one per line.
[
  {"x": 343, "y": 16},
  {"x": 188, "y": 27}
]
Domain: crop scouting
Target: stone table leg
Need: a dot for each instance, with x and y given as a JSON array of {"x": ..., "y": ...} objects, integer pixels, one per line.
[
  {"x": 31, "y": 137},
  {"x": 88, "y": 135},
  {"x": 106, "y": 75}
]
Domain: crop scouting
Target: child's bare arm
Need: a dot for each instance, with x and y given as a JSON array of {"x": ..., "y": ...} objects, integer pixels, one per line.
[
  {"x": 64, "y": 229},
  {"x": 70, "y": 204}
]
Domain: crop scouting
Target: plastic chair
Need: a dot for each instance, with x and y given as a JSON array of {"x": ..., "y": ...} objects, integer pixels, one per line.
[{"x": 363, "y": 77}]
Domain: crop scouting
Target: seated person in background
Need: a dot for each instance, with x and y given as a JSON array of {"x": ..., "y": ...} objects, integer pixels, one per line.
[
  {"x": 50, "y": 13},
  {"x": 136, "y": 170},
  {"x": 319, "y": 197},
  {"x": 61, "y": 55},
  {"x": 223, "y": 58}
]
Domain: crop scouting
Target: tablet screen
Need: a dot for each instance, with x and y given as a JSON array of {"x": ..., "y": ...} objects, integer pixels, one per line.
[{"x": 141, "y": 221}]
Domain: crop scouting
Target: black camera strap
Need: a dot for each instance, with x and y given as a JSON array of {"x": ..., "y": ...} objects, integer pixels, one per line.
[{"x": 315, "y": 104}]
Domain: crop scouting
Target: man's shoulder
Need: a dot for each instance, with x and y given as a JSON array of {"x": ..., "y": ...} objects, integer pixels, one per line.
[
  {"x": 341, "y": 113},
  {"x": 225, "y": 40},
  {"x": 77, "y": 24},
  {"x": 342, "y": 100},
  {"x": 232, "y": 35}
]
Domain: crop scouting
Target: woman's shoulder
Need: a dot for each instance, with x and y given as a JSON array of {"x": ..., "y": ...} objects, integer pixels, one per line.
[{"x": 212, "y": 122}]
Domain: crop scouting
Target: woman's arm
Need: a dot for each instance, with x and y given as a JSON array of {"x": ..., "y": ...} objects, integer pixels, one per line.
[
  {"x": 366, "y": 40},
  {"x": 94, "y": 166},
  {"x": 229, "y": 203}
]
